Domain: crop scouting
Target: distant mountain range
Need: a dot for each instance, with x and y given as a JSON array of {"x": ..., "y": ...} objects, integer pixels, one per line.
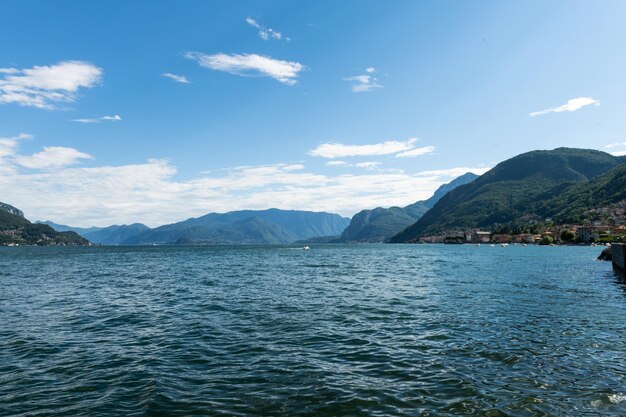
[
  {"x": 561, "y": 184},
  {"x": 17, "y": 230},
  {"x": 111, "y": 235},
  {"x": 379, "y": 224},
  {"x": 272, "y": 226}
]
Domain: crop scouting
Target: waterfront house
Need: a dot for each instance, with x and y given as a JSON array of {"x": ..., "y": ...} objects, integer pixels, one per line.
[
  {"x": 502, "y": 238},
  {"x": 591, "y": 233},
  {"x": 479, "y": 236}
]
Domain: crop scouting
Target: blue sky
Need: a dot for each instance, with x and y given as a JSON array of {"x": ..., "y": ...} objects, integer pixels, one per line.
[{"x": 324, "y": 105}]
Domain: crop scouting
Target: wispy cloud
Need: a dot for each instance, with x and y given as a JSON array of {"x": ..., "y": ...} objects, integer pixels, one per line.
[
  {"x": 294, "y": 167},
  {"x": 8, "y": 149},
  {"x": 177, "y": 78},
  {"x": 150, "y": 192},
  {"x": 571, "y": 105},
  {"x": 266, "y": 33},
  {"x": 45, "y": 86},
  {"x": 49, "y": 158},
  {"x": 52, "y": 157},
  {"x": 250, "y": 65},
  {"x": 402, "y": 149},
  {"x": 616, "y": 145},
  {"x": 368, "y": 166},
  {"x": 365, "y": 82},
  {"x": 416, "y": 152},
  {"x": 455, "y": 172},
  {"x": 336, "y": 163},
  {"x": 114, "y": 118}
]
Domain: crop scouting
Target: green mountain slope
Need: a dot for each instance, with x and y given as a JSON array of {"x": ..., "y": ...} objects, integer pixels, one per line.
[
  {"x": 16, "y": 230},
  {"x": 515, "y": 189},
  {"x": 573, "y": 203},
  {"x": 378, "y": 224}
]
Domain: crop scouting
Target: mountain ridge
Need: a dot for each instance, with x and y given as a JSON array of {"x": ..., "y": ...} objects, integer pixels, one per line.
[
  {"x": 379, "y": 224},
  {"x": 270, "y": 226},
  {"x": 15, "y": 229},
  {"x": 511, "y": 191},
  {"x": 273, "y": 226}
]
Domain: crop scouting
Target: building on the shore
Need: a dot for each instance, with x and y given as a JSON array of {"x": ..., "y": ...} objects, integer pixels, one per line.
[
  {"x": 591, "y": 233},
  {"x": 479, "y": 236},
  {"x": 431, "y": 239},
  {"x": 557, "y": 232},
  {"x": 525, "y": 238},
  {"x": 501, "y": 238}
]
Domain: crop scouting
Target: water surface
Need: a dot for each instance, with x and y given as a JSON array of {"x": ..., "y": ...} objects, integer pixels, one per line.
[{"x": 338, "y": 330}]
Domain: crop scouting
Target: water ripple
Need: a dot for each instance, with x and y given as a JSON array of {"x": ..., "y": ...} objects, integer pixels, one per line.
[{"x": 378, "y": 330}]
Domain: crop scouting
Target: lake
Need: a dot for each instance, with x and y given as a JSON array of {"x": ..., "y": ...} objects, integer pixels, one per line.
[{"x": 337, "y": 330}]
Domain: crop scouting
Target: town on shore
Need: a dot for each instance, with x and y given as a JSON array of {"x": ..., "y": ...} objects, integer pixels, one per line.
[{"x": 556, "y": 235}]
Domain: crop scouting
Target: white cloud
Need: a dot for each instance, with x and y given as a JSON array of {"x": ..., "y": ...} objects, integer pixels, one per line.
[
  {"x": 338, "y": 150},
  {"x": 364, "y": 83},
  {"x": 455, "y": 172},
  {"x": 114, "y": 118},
  {"x": 44, "y": 86},
  {"x": 416, "y": 152},
  {"x": 571, "y": 105},
  {"x": 52, "y": 157},
  {"x": 618, "y": 153},
  {"x": 149, "y": 192},
  {"x": 615, "y": 145},
  {"x": 294, "y": 167},
  {"x": 266, "y": 33},
  {"x": 253, "y": 22},
  {"x": 178, "y": 78},
  {"x": 371, "y": 165},
  {"x": 249, "y": 65},
  {"x": 8, "y": 150}
]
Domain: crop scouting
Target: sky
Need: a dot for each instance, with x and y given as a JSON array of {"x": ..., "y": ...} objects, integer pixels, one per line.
[{"x": 120, "y": 112}]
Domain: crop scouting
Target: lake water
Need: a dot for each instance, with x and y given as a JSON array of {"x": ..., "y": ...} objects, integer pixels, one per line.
[{"x": 345, "y": 330}]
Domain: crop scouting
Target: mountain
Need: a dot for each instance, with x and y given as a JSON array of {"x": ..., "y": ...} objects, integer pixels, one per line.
[
  {"x": 17, "y": 230},
  {"x": 65, "y": 228},
  {"x": 10, "y": 209},
  {"x": 527, "y": 187},
  {"x": 574, "y": 203},
  {"x": 114, "y": 235},
  {"x": 272, "y": 226},
  {"x": 111, "y": 235},
  {"x": 378, "y": 224}
]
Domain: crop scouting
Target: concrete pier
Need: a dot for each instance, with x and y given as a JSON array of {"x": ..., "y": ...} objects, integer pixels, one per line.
[{"x": 618, "y": 253}]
